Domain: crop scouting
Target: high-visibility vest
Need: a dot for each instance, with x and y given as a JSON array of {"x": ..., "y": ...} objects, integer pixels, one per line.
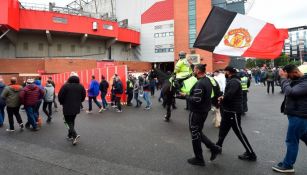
[
  {"x": 244, "y": 81},
  {"x": 130, "y": 84},
  {"x": 213, "y": 83},
  {"x": 182, "y": 68}
]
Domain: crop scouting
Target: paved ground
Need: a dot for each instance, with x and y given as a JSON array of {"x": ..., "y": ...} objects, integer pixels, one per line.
[{"x": 140, "y": 142}]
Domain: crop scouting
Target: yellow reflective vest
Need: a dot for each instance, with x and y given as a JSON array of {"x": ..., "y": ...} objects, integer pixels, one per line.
[
  {"x": 213, "y": 83},
  {"x": 244, "y": 81},
  {"x": 183, "y": 68}
]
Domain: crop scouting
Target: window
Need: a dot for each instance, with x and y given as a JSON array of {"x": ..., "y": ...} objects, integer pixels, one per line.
[
  {"x": 158, "y": 27},
  {"x": 25, "y": 46},
  {"x": 171, "y": 33},
  {"x": 59, "y": 20},
  {"x": 59, "y": 47},
  {"x": 156, "y": 35},
  {"x": 40, "y": 46},
  {"x": 72, "y": 48},
  {"x": 163, "y": 34},
  {"x": 192, "y": 22},
  {"x": 107, "y": 27}
]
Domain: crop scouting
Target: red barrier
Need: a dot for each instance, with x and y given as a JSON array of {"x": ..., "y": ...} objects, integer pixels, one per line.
[{"x": 85, "y": 78}]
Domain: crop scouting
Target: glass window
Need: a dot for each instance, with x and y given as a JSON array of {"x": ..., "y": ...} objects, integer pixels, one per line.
[
  {"x": 192, "y": 22},
  {"x": 107, "y": 27},
  {"x": 156, "y": 35},
  {"x": 171, "y": 33}
]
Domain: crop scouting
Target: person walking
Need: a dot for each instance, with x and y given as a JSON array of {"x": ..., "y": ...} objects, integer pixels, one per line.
[
  {"x": 11, "y": 96},
  {"x": 93, "y": 92},
  {"x": 129, "y": 90},
  {"x": 200, "y": 105},
  {"x": 231, "y": 113},
  {"x": 2, "y": 102},
  {"x": 294, "y": 85},
  {"x": 30, "y": 96},
  {"x": 245, "y": 84},
  {"x": 118, "y": 91},
  {"x": 48, "y": 100},
  {"x": 54, "y": 100},
  {"x": 70, "y": 96},
  {"x": 270, "y": 78},
  {"x": 103, "y": 87},
  {"x": 146, "y": 89},
  {"x": 136, "y": 89}
]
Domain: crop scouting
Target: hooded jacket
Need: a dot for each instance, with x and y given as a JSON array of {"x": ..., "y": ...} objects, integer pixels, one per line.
[
  {"x": 71, "y": 95},
  {"x": 233, "y": 98},
  {"x": 93, "y": 90},
  {"x": 296, "y": 97},
  {"x": 30, "y": 95},
  {"x": 49, "y": 93},
  {"x": 11, "y": 95},
  {"x": 2, "y": 86}
]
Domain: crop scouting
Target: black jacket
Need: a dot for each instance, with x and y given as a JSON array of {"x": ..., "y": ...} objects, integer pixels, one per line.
[
  {"x": 118, "y": 87},
  {"x": 200, "y": 96},
  {"x": 103, "y": 86},
  {"x": 296, "y": 97},
  {"x": 71, "y": 95},
  {"x": 233, "y": 99}
]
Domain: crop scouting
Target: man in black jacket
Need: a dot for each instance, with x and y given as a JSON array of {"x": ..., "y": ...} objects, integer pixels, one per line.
[
  {"x": 231, "y": 110},
  {"x": 295, "y": 107},
  {"x": 71, "y": 95},
  {"x": 200, "y": 104},
  {"x": 103, "y": 87}
]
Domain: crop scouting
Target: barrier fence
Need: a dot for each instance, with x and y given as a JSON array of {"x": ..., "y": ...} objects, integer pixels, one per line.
[{"x": 86, "y": 76}]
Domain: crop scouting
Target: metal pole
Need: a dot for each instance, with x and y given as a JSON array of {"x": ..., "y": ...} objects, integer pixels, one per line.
[
  {"x": 4, "y": 33},
  {"x": 301, "y": 56}
]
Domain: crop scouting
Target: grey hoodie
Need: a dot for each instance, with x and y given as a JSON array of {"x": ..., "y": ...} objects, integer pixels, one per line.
[
  {"x": 11, "y": 95},
  {"x": 49, "y": 93}
]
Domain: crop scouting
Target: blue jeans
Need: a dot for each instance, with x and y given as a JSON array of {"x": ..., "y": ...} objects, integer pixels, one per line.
[
  {"x": 103, "y": 100},
  {"x": 90, "y": 103},
  {"x": 30, "y": 110},
  {"x": 147, "y": 98},
  {"x": 297, "y": 130},
  {"x": 2, "y": 114}
]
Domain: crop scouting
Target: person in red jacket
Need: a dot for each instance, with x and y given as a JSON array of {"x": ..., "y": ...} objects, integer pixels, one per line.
[{"x": 29, "y": 97}]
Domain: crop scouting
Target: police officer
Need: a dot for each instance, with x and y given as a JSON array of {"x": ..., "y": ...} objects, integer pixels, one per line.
[
  {"x": 245, "y": 83},
  {"x": 231, "y": 113},
  {"x": 182, "y": 69},
  {"x": 200, "y": 105}
]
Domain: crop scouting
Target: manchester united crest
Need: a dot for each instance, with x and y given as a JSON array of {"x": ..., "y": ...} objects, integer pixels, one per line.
[{"x": 238, "y": 38}]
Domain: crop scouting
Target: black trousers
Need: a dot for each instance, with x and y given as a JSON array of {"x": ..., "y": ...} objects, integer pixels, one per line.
[
  {"x": 196, "y": 124},
  {"x": 49, "y": 105},
  {"x": 233, "y": 120},
  {"x": 130, "y": 96},
  {"x": 118, "y": 103},
  {"x": 11, "y": 112},
  {"x": 245, "y": 107},
  {"x": 70, "y": 120},
  {"x": 270, "y": 83}
]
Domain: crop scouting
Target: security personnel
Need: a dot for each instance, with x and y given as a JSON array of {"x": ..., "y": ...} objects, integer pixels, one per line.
[
  {"x": 129, "y": 91},
  {"x": 182, "y": 69},
  {"x": 231, "y": 110},
  {"x": 245, "y": 83},
  {"x": 200, "y": 104}
]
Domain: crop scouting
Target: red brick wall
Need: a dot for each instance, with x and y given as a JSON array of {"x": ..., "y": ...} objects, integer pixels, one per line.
[
  {"x": 203, "y": 8},
  {"x": 135, "y": 66},
  {"x": 67, "y": 65},
  {"x": 21, "y": 65}
]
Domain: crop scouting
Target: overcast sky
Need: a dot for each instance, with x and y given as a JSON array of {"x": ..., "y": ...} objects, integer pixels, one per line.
[{"x": 282, "y": 13}]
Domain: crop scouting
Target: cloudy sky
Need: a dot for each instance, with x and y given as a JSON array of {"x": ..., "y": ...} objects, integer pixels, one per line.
[{"x": 282, "y": 13}]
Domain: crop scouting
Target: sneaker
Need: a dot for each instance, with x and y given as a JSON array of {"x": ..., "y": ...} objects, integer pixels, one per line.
[
  {"x": 88, "y": 112},
  {"x": 147, "y": 108},
  {"x": 166, "y": 119},
  {"x": 69, "y": 138},
  {"x": 195, "y": 161},
  {"x": 248, "y": 156},
  {"x": 114, "y": 106},
  {"x": 76, "y": 140},
  {"x": 35, "y": 129},
  {"x": 119, "y": 110},
  {"x": 48, "y": 120},
  {"x": 10, "y": 130},
  {"x": 279, "y": 168},
  {"x": 101, "y": 109},
  {"x": 21, "y": 126},
  {"x": 214, "y": 152}
]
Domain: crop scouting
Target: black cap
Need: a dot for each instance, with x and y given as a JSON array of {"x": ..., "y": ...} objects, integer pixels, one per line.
[{"x": 230, "y": 69}]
